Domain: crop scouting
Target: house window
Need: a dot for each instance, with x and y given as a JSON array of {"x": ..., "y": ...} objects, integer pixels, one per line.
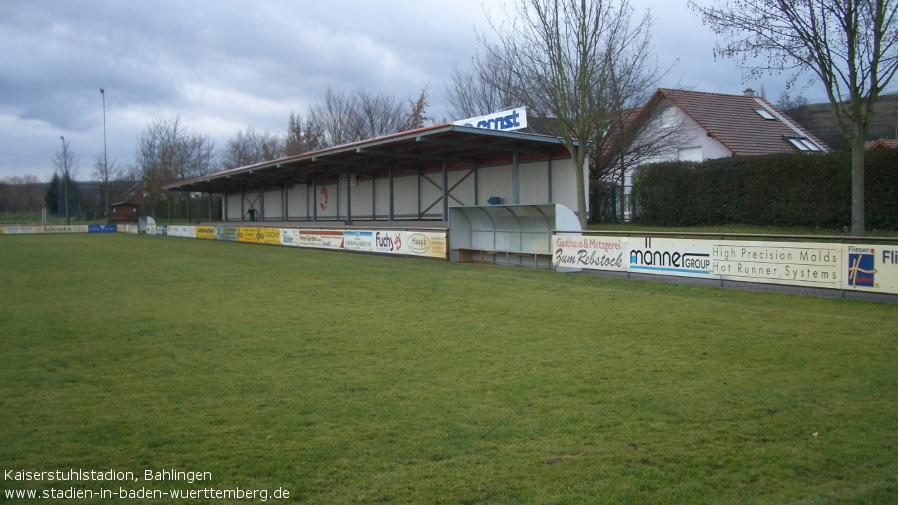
[
  {"x": 764, "y": 114},
  {"x": 690, "y": 153},
  {"x": 668, "y": 117},
  {"x": 802, "y": 143}
]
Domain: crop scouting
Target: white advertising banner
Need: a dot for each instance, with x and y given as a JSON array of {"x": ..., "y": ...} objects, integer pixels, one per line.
[
  {"x": 793, "y": 263},
  {"x": 810, "y": 264},
  {"x": 323, "y": 239},
  {"x": 508, "y": 120},
  {"x": 668, "y": 256},
  {"x": 290, "y": 237},
  {"x": 182, "y": 231},
  {"x": 357, "y": 240},
  {"x": 389, "y": 242},
  {"x": 871, "y": 268},
  {"x": 591, "y": 253},
  {"x": 428, "y": 244}
]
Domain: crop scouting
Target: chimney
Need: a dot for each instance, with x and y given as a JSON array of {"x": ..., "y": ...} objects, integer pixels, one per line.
[{"x": 748, "y": 92}]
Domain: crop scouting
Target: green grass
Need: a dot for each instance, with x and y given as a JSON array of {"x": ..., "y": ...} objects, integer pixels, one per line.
[{"x": 368, "y": 379}]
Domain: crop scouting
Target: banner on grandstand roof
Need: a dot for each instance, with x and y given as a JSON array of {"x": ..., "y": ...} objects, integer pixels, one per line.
[{"x": 507, "y": 120}]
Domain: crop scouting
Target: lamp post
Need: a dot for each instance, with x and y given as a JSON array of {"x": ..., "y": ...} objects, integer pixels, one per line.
[
  {"x": 65, "y": 179},
  {"x": 105, "y": 154}
]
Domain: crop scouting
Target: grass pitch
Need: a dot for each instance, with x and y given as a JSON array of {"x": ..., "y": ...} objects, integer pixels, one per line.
[{"x": 348, "y": 378}]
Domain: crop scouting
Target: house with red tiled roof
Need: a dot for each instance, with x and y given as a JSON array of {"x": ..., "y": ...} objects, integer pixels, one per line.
[
  {"x": 715, "y": 125},
  {"x": 882, "y": 144}
]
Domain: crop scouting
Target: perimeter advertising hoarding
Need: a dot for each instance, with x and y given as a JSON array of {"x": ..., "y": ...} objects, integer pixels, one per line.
[
  {"x": 426, "y": 244},
  {"x": 204, "y": 232},
  {"x": 665, "y": 256},
  {"x": 246, "y": 234},
  {"x": 358, "y": 240},
  {"x": 25, "y": 230},
  {"x": 270, "y": 236},
  {"x": 822, "y": 265},
  {"x": 152, "y": 230},
  {"x": 322, "y": 239},
  {"x": 870, "y": 268},
  {"x": 226, "y": 233},
  {"x": 389, "y": 242},
  {"x": 290, "y": 237},
  {"x": 792, "y": 263},
  {"x": 101, "y": 228},
  {"x": 182, "y": 231},
  {"x": 591, "y": 253}
]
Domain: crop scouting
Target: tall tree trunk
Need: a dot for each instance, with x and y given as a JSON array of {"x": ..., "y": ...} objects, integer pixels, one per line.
[{"x": 857, "y": 183}]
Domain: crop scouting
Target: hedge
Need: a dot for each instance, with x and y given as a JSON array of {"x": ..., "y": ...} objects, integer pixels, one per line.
[{"x": 797, "y": 189}]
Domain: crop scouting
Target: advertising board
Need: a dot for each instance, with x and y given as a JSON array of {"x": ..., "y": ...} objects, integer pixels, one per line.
[
  {"x": 664, "y": 256},
  {"x": 247, "y": 234},
  {"x": 270, "y": 236},
  {"x": 425, "y": 244},
  {"x": 203, "y": 232},
  {"x": 357, "y": 240},
  {"x": 791, "y": 263},
  {"x": 591, "y": 253},
  {"x": 290, "y": 237},
  {"x": 226, "y": 233},
  {"x": 389, "y": 242},
  {"x": 322, "y": 239},
  {"x": 870, "y": 268}
]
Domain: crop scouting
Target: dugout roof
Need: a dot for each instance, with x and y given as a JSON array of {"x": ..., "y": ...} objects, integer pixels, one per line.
[{"x": 436, "y": 146}]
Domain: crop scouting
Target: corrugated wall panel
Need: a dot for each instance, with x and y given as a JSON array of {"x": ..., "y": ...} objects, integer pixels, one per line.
[
  {"x": 405, "y": 199},
  {"x": 233, "y": 207},
  {"x": 273, "y": 208},
  {"x": 327, "y": 197},
  {"x": 382, "y": 198},
  {"x": 534, "y": 179},
  {"x": 564, "y": 186},
  {"x": 298, "y": 202},
  {"x": 496, "y": 181},
  {"x": 463, "y": 194},
  {"x": 432, "y": 194},
  {"x": 361, "y": 200}
]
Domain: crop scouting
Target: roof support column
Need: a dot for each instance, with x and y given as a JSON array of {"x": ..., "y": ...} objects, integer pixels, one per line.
[
  {"x": 314, "y": 199},
  {"x": 391, "y": 194},
  {"x": 419, "y": 194},
  {"x": 348, "y": 198},
  {"x": 445, "y": 193},
  {"x": 242, "y": 203},
  {"x": 261, "y": 203},
  {"x": 373, "y": 196},
  {"x": 224, "y": 206},
  {"x": 516, "y": 179},
  {"x": 210, "y": 206},
  {"x": 476, "y": 184},
  {"x": 549, "y": 176},
  {"x": 285, "y": 203}
]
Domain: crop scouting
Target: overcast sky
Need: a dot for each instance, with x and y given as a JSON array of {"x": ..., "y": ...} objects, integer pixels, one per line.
[{"x": 224, "y": 65}]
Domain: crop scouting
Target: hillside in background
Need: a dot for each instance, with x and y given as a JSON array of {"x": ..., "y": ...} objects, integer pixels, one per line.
[{"x": 818, "y": 118}]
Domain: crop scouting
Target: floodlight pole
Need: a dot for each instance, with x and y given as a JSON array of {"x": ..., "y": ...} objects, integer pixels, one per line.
[
  {"x": 65, "y": 175},
  {"x": 105, "y": 154}
]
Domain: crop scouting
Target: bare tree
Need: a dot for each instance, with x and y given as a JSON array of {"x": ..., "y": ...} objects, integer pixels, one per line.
[
  {"x": 167, "y": 153},
  {"x": 471, "y": 96},
  {"x": 104, "y": 173},
  {"x": 567, "y": 60},
  {"x": 352, "y": 117},
  {"x": 66, "y": 163},
  {"x": 851, "y": 46},
  {"x": 251, "y": 146},
  {"x": 300, "y": 138}
]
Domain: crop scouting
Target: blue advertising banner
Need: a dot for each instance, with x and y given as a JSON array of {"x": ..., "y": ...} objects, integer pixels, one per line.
[{"x": 101, "y": 228}]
